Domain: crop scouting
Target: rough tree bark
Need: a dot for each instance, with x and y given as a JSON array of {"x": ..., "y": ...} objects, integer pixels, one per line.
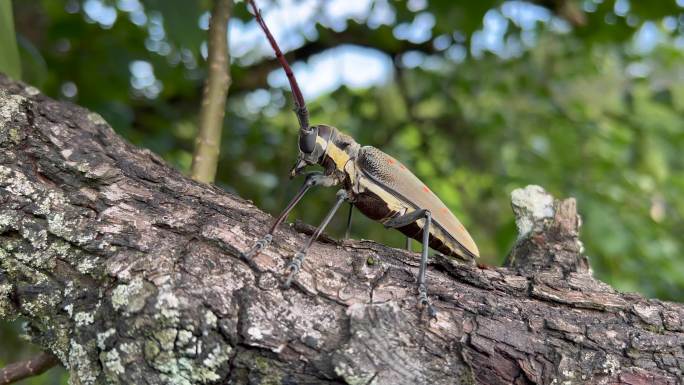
[{"x": 128, "y": 272}]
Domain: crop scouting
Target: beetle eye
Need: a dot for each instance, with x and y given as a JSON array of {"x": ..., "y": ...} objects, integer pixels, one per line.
[{"x": 307, "y": 142}]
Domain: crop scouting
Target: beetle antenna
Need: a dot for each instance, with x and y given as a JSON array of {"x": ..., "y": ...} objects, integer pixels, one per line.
[{"x": 300, "y": 105}]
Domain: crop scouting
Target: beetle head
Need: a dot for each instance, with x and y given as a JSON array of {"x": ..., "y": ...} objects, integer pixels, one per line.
[{"x": 312, "y": 146}]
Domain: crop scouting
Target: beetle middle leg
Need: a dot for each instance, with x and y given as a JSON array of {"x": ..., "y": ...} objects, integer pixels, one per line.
[
  {"x": 313, "y": 179},
  {"x": 349, "y": 221},
  {"x": 295, "y": 265},
  {"x": 405, "y": 220}
]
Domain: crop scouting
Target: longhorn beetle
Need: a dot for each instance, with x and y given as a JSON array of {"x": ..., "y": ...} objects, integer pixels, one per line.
[{"x": 375, "y": 183}]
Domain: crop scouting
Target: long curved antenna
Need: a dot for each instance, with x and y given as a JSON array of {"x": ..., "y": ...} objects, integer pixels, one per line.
[{"x": 300, "y": 105}]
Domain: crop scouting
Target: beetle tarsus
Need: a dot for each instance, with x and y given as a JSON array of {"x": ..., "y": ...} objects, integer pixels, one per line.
[
  {"x": 432, "y": 313},
  {"x": 293, "y": 268},
  {"x": 258, "y": 246},
  {"x": 424, "y": 302}
]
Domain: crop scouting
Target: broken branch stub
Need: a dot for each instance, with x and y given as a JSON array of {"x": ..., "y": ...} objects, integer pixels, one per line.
[{"x": 548, "y": 234}]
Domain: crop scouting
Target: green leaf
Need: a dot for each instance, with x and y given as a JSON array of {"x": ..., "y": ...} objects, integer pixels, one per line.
[{"x": 9, "y": 54}]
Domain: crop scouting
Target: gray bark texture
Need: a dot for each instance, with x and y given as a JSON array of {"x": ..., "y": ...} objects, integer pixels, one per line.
[{"x": 128, "y": 272}]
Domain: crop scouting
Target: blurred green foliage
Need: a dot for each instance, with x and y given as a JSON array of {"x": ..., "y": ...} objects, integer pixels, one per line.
[
  {"x": 9, "y": 59},
  {"x": 586, "y": 100}
]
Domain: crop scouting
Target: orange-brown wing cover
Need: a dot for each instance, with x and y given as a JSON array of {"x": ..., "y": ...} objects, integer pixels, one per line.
[{"x": 399, "y": 181}]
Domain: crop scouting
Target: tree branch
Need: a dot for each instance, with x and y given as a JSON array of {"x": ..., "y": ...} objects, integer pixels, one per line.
[
  {"x": 569, "y": 10},
  {"x": 255, "y": 76},
  {"x": 208, "y": 142},
  {"x": 129, "y": 273},
  {"x": 24, "y": 369}
]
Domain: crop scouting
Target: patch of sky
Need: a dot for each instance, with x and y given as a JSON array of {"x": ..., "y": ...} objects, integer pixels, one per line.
[
  {"x": 621, "y": 7},
  {"x": 97, "y": 11},
  {"x": 143, "y": 79},
  {"x": 647, "y": 38},
  {"x": 350, "y": 65},
  {"x": 135, "y": 10},
  {"x": 418, "y": 31}
]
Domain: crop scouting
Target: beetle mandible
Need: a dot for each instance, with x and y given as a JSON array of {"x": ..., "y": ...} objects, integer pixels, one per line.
[{"x": 378, "y": 185}]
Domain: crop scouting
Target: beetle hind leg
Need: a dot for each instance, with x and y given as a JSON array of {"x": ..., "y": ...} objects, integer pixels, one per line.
[
  {"x": 405, "y": 220},
  {"x": 422, "y": 289}
]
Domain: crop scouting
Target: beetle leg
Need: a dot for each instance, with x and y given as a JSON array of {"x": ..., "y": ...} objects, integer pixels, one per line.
[
  {"x": 408, "y": 244},
  {"x": 296, "y": 262},
  {"x": 349, "y": 221},
  {"x": 405, "y": 220},
  {"x": 313, "y": 179},
  {"x": 422, "y": 289}
]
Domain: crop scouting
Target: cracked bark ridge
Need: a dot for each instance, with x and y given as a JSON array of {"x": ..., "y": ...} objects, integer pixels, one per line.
[{"x": 128, "y": 273}]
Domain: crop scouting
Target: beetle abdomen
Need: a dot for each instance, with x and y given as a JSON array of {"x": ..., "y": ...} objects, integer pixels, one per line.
[{"x": 389, "y": 175}]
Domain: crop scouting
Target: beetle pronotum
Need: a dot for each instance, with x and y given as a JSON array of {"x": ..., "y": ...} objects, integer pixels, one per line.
[{"x": 378, "y": 185}]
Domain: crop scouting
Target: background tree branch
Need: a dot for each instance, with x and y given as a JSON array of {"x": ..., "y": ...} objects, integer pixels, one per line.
[
  {"x": 255, "y": 76},
  {"x": 128, "y": 272},
  {"x": 208, "y": 141},
  {"x": 28, "y": 368}
]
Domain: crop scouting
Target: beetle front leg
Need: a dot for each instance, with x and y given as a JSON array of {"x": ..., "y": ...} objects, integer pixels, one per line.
[
  {"x": 296, "y": 264},
  {"x": 313, "y": 179}
]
